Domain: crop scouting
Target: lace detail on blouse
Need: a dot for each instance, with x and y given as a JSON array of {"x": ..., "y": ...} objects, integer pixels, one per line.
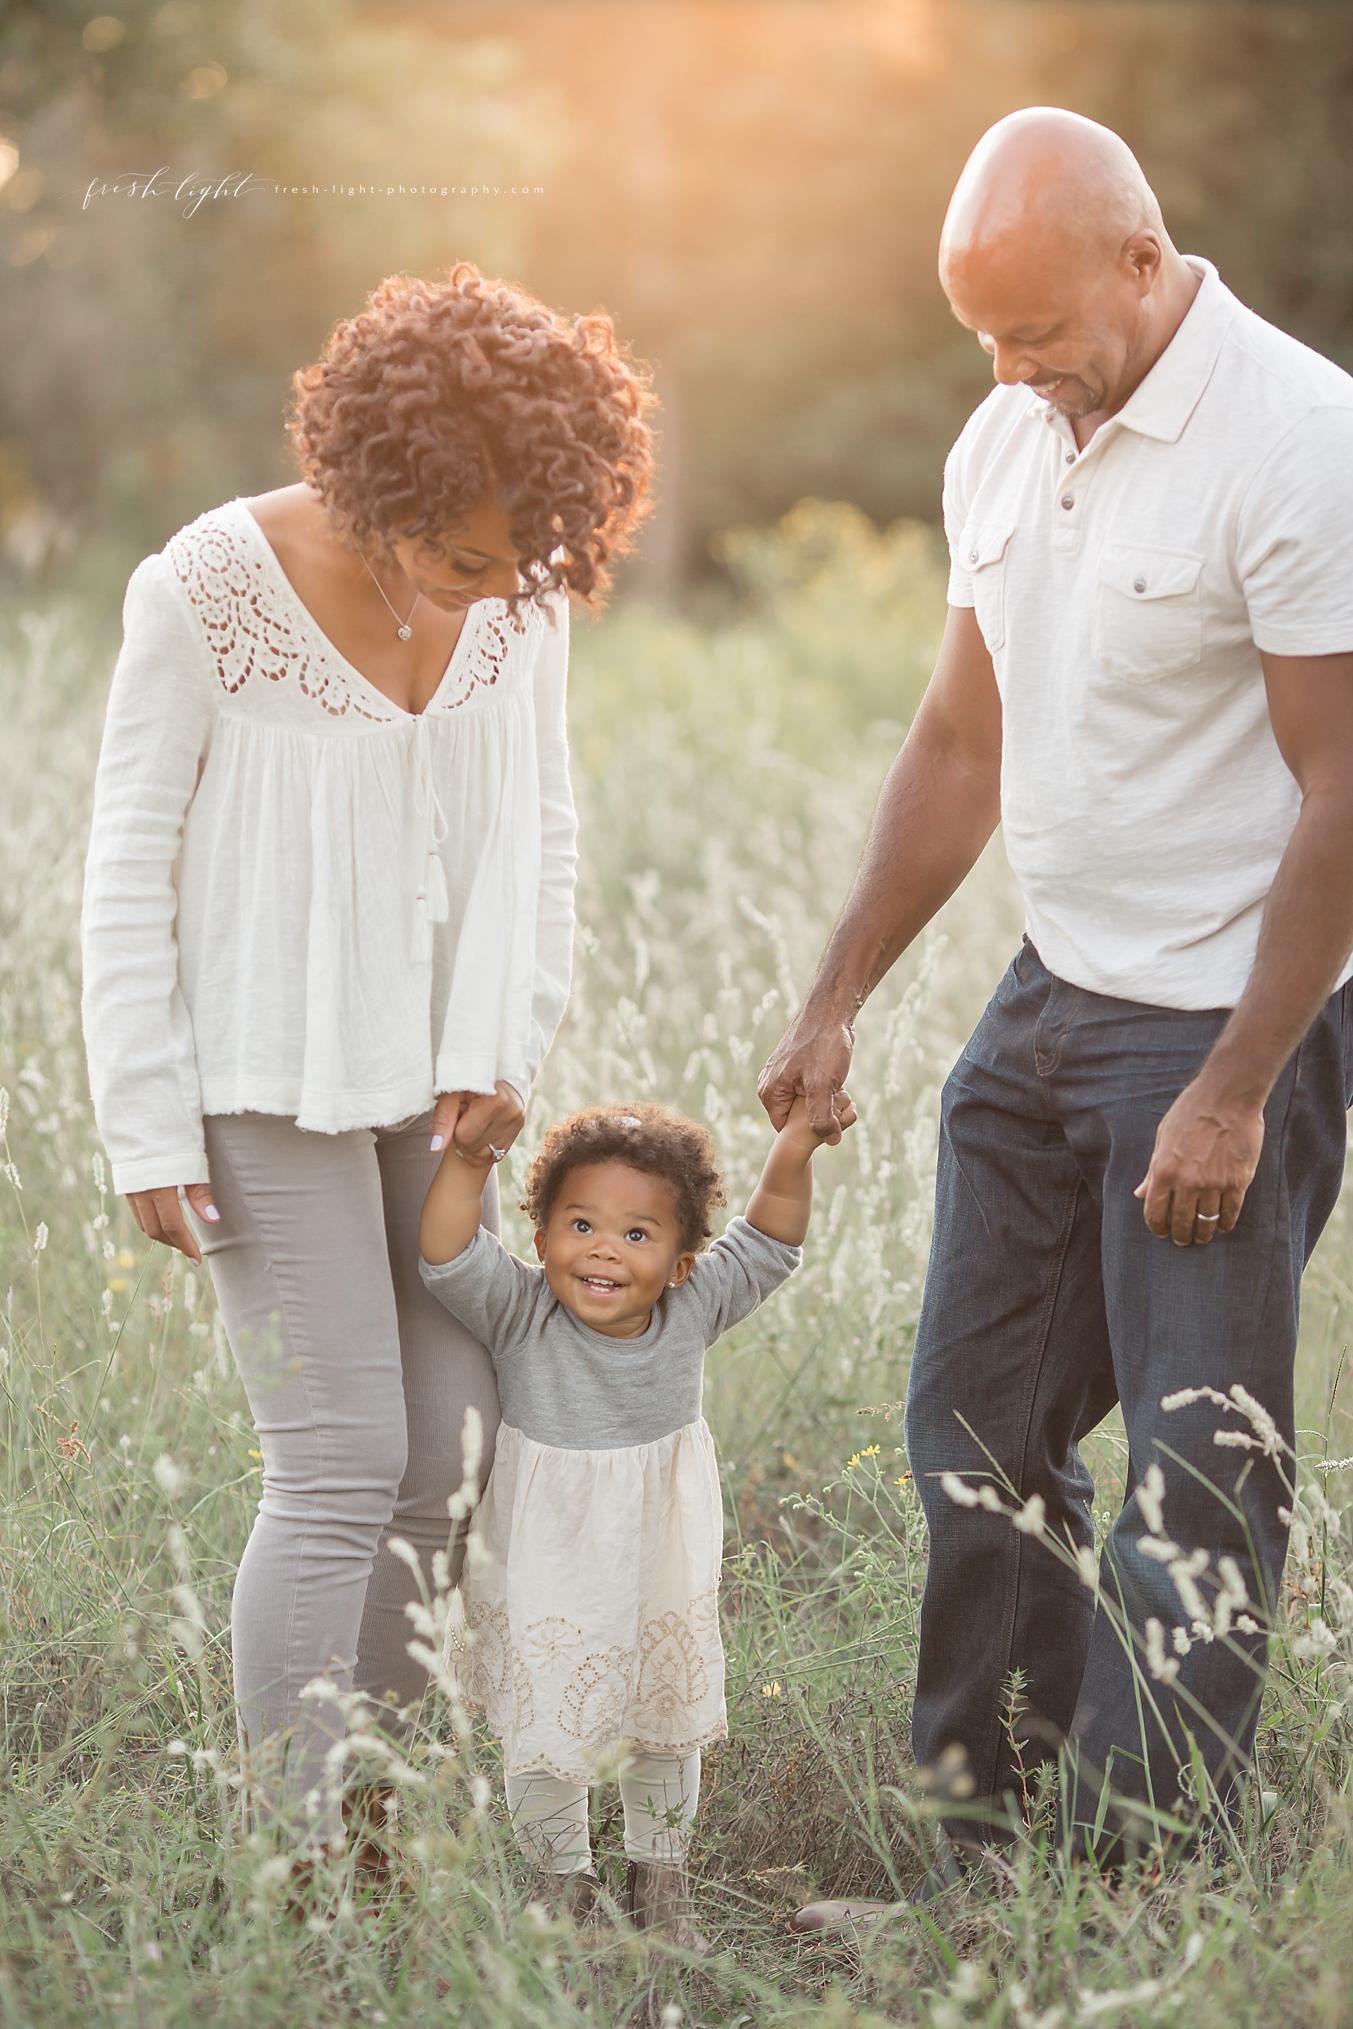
[{"x": 257, "y": 628}]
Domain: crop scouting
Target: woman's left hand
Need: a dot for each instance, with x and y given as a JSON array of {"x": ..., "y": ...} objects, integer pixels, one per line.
[{"x": 479, "y": 1122}]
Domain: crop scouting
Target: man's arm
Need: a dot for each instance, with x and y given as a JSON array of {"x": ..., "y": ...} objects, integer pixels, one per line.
[
  {"x": 940, "y": 803},
  {"x": 1306, "y": 932},
  {"x": 1208, "y": 1145}
]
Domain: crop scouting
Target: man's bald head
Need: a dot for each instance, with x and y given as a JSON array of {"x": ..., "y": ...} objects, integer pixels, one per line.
[
  {"x": 1050, "y": 184},
  {"x": 1054, "y": 252}
]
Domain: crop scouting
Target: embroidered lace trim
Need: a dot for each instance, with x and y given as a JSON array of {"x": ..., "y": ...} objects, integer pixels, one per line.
[
  {"x": 647, "y": 1693},
  {"x": 252, "y": 634}
]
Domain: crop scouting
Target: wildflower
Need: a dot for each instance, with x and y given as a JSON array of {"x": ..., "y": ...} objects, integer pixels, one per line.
[
  {"x": 1162, "y": 1667},
  {"x": 1032, "y": 1516},
  {"x": 1182, "y": 1644},
  {"x": 1151, "y": 1500},
  {"x": 1264, "y": 1425},
  {"x": 1183, "y": 1398},
  {"x": 1231, "y": 1594},
  {"x": 771, "y": 1690},
  {"x": 963, "y": 1496},
  {"x": 401, "y": 1547},
  {"x": 1317, "y": 1641},
  {"x": 902, "y": 1479},
  {"x": 870, "y": 1451},
  {"x": 1184, "y": 1571},
  {"x": 988, "y": 1498},
  {"x": 40, "y": 1236},
  {"x": 171, "y": 1477},
  {"x": 1087, "y": 1566},
  {"x": 255, "y": 1454}
]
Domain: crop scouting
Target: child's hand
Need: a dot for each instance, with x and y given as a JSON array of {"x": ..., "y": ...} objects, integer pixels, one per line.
[{"x": 799, "y": 1128}]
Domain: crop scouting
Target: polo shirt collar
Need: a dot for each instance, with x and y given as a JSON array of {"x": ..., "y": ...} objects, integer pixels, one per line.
[{"x": 1164, "y": 399}]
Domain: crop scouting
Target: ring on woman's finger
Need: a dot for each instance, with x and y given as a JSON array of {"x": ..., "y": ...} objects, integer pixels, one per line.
[{"x": 497, "y": 1153}]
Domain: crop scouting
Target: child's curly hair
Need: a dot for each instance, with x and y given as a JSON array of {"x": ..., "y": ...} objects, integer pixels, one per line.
[
  {"x": 648, "y": 1137},
  {"x": 442, "y": 390}
]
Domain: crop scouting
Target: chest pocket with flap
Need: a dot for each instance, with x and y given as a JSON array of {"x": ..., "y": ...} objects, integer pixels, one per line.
[
  {"x": 982, "y": 552},
  {"x": 1148, "y": 614}
]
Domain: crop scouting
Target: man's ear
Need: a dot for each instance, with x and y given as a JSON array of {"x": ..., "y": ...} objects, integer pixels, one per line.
[{"x": 681, "y": 1268}]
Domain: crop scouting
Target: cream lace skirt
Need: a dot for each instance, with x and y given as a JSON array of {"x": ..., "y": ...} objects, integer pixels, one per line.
[{"x": 591, "y": 1601}]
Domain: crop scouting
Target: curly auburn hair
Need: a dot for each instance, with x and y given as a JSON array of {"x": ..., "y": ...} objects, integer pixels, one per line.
[
  {"x": 442, "y": 390},
  {"x": 648, "y": 1137}
]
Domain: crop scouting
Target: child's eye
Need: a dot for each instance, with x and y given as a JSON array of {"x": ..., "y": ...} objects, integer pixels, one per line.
[
  {"x": 582, "y": 1225},
  {"x": 636, "y": 1233}
]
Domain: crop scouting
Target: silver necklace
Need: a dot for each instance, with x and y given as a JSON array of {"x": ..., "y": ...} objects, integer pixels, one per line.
[{"x": 402, "y": 626}]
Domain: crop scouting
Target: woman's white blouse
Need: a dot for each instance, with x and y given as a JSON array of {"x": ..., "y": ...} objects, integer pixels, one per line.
[{"x": 300, "y": 898}]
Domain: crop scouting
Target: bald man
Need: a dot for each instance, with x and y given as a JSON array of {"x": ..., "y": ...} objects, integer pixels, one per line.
[{"x": 1146, "y": 676}]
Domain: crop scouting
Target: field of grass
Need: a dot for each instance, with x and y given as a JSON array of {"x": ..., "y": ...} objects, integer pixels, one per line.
[{"x": 727, "y": 762}]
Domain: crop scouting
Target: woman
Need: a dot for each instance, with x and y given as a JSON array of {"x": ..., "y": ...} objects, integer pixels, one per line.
[{"x": 327, "y": 922}]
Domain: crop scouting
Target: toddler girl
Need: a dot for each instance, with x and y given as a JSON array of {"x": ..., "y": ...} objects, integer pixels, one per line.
[{"x": 590, "y": 1583}]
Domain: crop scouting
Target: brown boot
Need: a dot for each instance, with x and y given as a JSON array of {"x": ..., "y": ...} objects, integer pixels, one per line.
[
  {"x": 370, "y": 1816},
  {"x": 658, "y": 1898},
  {"x": 573, "y": 1894},
  {"x": 304, "y": 1892}
]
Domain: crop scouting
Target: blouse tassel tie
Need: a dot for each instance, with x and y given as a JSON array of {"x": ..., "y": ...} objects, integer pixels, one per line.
[{"x": 431, "y": 901}]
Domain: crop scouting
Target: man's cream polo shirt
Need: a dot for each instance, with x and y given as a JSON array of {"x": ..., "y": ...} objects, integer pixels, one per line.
[{"x": 1125, "y": 592}]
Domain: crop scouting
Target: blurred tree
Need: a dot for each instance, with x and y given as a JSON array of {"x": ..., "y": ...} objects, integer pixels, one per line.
[
  {"x": 753, "y": 188},
  {"x": 170, "y": 321}
]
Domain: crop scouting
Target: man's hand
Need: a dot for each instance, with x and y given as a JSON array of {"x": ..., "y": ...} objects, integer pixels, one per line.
[
  {"x": 478, "y": 1122},
  {"x": 814, "y": 1062},
  {"x": 1206, "y": 1153}
]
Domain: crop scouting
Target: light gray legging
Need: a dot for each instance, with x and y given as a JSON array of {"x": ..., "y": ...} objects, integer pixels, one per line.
[{"x": 358, "y": 1381}]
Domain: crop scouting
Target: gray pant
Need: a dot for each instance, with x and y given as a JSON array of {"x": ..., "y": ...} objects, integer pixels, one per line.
[{"x": 358, "y": 1381}]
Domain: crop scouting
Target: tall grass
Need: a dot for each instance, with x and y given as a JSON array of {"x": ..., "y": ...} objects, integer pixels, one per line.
[{"x": 727, "y": 765}]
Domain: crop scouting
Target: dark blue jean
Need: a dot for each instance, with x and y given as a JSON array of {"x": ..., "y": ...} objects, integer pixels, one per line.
[{"x": 1047, "y": 1300}]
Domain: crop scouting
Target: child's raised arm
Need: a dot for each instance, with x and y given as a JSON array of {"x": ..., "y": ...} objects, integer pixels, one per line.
[
  {"x": 783, "y": 1199},
  {"x": 452, "y": 1207}
]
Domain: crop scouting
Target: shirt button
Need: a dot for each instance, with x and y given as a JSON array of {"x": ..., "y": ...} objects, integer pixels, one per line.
[
  {"x": 1068, "y": 500},
  {"x": 972, "y": 556},
  {"x": 1070, "y": 457},
  {"x": 1139, "y": 584}
]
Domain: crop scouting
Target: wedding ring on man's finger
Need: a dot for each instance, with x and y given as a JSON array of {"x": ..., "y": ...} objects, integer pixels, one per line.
[{"x": 1207, "y": 1218}]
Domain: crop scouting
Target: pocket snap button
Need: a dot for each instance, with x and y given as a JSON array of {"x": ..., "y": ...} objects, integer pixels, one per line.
[{"x": 1139, "y": 584}]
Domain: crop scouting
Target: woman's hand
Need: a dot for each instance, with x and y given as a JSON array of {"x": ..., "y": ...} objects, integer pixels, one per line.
[
  {"x": 478, "y": 1122},
  {"x": 160, "y": 1216}
]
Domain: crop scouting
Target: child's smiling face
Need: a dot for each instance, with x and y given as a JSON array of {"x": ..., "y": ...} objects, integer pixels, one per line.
[{"x": 612, "y": 1244}]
